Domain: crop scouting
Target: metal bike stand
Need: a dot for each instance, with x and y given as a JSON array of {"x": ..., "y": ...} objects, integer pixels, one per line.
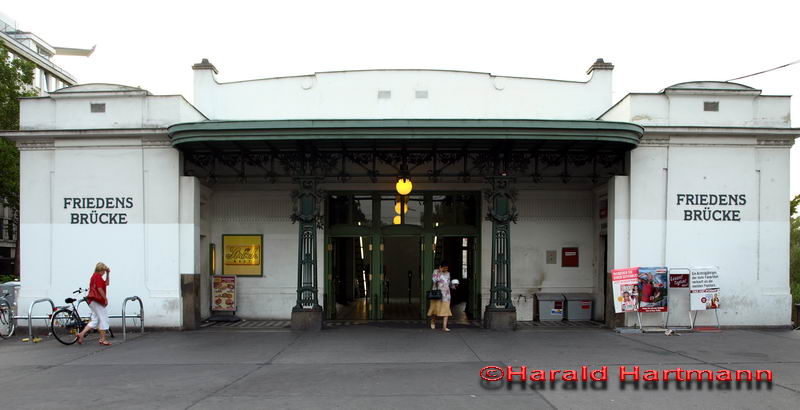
[
  {"x": 124, "y": 317},
  {"x": 30, "y": 316}
]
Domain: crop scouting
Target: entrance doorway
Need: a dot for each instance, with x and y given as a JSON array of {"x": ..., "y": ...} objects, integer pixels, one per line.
[
  {"x": 379, "y": 266},
  {"x": 459, "y": 254},
  {"x": 402, "y": 262},
  {"x": 350, "y": 278}
]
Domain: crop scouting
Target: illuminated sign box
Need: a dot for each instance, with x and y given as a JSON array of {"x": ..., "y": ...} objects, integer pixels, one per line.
[{"x": 242, "y": 255}]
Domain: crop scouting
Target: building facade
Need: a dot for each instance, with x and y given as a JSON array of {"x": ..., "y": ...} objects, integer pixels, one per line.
[
  {"x": 522, "y": 185},
  {"x": 47, "y": 77}
]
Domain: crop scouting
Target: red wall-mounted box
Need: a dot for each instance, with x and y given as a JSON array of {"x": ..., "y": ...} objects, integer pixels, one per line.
[{"x": 569, "y": 257}]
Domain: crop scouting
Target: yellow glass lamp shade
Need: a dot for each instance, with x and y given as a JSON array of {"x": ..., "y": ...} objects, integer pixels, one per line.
[
  {"x": 403, "y": 186},
  {"x": 397, "y": 208},
  {"x": 396, "y": 220}
]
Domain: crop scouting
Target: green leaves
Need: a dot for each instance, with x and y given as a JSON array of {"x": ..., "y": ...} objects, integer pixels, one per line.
[{"x": 16, "y": 77}]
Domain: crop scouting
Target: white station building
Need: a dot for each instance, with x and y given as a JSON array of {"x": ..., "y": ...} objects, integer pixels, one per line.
[{"x": 522, "y": 185}]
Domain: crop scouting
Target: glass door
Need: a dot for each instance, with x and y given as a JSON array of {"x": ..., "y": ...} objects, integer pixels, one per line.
[{"x": 349, "y": 278}]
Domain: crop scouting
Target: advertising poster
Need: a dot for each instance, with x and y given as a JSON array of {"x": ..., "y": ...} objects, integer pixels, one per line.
[
  {"x": 704, "y": 288},
  {"x": 624, "y": 284},
  {"x": 223, "y": 293},
  {"x": 653, "y": 288},
  {"x": 678, "y": 280},
  {"x": 242, "y": 255}
]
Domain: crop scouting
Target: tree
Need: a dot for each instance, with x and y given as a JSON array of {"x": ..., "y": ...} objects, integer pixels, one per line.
[{"x": 16, "y": 77}]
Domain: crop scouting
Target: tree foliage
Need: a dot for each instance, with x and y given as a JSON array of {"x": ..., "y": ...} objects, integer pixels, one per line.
[{"x": 16, "y": 77}]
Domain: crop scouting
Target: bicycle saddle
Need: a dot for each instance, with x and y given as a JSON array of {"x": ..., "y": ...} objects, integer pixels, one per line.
[{"x": 69, "y": 300}]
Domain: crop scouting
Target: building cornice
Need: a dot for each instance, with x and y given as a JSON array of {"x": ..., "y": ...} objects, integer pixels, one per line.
[
  {"x": 654, "y": 132},
  {"x": 36, "y": 145},
  {"x": 24, "y": 135}
]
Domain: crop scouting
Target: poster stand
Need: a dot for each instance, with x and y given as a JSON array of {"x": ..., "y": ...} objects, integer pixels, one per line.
[
  {"x": 704, "y": 293},
  {"x": 223, "y": 299},
  {"x": 707, "y": 328},
  {"x": 670, "y": 294},
  {"x": 665, "y": 318}
]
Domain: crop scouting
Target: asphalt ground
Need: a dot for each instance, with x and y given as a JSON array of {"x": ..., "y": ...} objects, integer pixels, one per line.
[{"x": 379, "y": 367}]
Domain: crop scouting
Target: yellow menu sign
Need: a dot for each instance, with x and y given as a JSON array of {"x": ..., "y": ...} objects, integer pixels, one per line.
[{"x": 241, "y": 255}]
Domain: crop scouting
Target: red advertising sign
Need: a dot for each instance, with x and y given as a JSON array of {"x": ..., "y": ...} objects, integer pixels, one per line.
[{"x": 679, "y": 280}]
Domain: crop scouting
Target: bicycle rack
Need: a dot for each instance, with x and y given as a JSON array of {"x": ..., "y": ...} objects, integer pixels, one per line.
[
  {"x": 123, "y": 316},
  {"x": 30, "y": 316},
  {"x": 140, "y": 316}
]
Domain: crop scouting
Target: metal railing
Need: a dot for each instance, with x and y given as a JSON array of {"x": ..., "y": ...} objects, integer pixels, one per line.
[{"x": 123, "y": 316}]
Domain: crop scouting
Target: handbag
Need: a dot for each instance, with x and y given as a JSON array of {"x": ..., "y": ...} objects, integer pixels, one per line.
[{"x": 434, "y": 294}]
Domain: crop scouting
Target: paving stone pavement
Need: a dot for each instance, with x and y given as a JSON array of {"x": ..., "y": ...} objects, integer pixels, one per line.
[{"x": 391, "y": 367}]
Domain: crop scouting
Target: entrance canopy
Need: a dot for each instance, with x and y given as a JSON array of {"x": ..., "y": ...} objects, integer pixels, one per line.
[{"x": 453, "y": 150}]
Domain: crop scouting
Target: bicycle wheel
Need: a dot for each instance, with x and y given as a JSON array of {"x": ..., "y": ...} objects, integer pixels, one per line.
[
  {"x": 7, "y": 322},
  {"x": 65, "y": 326}
]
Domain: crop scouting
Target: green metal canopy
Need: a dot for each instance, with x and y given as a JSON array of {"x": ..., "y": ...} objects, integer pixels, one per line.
[
  {"x": 366, "y": 130},
  {"x": 433, "y": 148}
]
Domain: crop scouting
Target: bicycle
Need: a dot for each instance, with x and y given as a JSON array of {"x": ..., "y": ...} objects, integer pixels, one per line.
[
  {"x": 7, "y": 322},
  {"x": 66, "y": 322}
]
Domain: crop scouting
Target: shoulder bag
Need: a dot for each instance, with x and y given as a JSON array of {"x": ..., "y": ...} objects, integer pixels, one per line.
[{"x": 434, "y": 294}]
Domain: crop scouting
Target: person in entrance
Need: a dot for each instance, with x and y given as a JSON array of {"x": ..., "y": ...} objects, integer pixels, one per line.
[{"x": 441, "y": 307}]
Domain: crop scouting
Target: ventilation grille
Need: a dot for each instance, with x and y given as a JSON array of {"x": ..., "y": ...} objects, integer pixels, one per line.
[{"x": 711, "y": 106}]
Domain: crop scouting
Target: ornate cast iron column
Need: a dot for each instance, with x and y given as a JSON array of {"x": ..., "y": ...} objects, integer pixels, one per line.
[
  {"x": 307, "y": 200},
  {"x": 500, "y": 312}
]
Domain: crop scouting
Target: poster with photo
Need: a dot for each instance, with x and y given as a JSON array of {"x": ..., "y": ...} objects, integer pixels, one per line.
[
  {"x": 704, "y": 288},
  {"x": 624, "y": 285},
  {"x": 223, "y": 293},
  {"x": 653, "y": 286}
]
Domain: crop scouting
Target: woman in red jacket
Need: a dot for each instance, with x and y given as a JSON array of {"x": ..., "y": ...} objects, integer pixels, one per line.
[{"x": 98, "y": 300}]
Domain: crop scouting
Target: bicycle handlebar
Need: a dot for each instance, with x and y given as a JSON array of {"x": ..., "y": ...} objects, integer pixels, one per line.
[{"x": 78, "y": 291}]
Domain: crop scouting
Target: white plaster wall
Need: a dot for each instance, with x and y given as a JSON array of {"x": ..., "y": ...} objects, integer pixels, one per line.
[
  {"x": 132, "y": 110},
  {"x": 265, "y": 212},
  {"x": 752, "y": 254},
  {"x": 59, "y": 257},
  {"x": 682, "y": 109},
  {"x": 354, "y": 94},
  {"x": 619, "y": 222},
  {"x": 548, "y": 220}
]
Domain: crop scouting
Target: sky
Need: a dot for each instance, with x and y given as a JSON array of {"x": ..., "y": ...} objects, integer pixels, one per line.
[{"x": 653, "y": 44}]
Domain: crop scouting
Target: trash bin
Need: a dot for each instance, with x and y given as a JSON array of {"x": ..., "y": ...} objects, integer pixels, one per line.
[
  {"x": 579, "y": 306},
  {"x": 551, "y": 306}
]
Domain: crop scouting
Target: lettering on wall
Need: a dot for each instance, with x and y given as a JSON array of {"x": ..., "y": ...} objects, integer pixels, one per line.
[
  {"x": 96, "y": 210},
  {"x": 712, "y": 207}
]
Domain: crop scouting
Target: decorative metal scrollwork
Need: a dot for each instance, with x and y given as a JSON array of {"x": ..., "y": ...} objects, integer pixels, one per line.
[{"x": 307, "y": 203}]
